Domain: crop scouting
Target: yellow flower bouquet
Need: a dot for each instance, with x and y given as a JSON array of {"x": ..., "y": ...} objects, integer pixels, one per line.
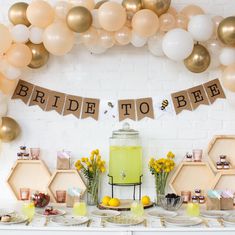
[
  {"x": 161, "y": 168},
  {"x": 92, "y": 168}
]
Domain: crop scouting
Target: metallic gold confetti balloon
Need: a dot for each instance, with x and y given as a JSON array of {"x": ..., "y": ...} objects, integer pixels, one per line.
[
  {"x": 9, "y": 129},
  {"x": 40, "y": 55},
  {"x": 79, "y": 19},
  {"x": 199, "y": 60},
  {"x": 158, "y": 6},
  {"x": 132, "y": 6},
  {"x": 17, "y": 13},
  {"x": 226, "y": 31}
]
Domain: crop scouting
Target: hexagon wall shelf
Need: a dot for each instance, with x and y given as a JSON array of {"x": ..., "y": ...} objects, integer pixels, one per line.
[
  {"x": 224, "y": 180},
  {"x": 32, "y": 174},
  {"x": 190, "y": 176},
  {"x": 221, "y": 145},
  {"x": 64, "y": 179}
]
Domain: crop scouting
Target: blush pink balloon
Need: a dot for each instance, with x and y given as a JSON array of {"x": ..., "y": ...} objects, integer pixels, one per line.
[
  {"x": 19, "y": 55},
  {"x": 145, "y": 23},
  {"x": 5, "y": 39},
  {"x": 105, "y": 39},
  {"x": 123, "y": 36},
  {"x": 181, "y": 21},
  {"x": 167, "y": 22}
]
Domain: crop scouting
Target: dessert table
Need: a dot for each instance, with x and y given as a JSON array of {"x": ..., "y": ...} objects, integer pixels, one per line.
[{"x": 97, "y": 227}]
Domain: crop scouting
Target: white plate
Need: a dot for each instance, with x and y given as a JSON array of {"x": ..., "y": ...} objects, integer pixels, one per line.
[
  {"x": 105, "y": 213},
  {"x": 229, "y": 219},
  {"x": 41, "y": 211},
  {"x": 6, "y": 212},
  {"x": 124, "y": 221},
  {"x": 214, "y": 214},
  {"x": 162, "y": 214},
  {"x": 16, "y": 219},
  {"x": 184, "y": 221},
  {"x": 69, "y": 220}
]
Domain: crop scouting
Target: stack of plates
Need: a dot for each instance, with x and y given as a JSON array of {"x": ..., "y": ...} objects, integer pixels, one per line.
[
  {"x": 183, "y": 221},
  {"x": 69, "y": 220},
  {"x": 162, "y": 214},
  {"x": 124, "y": 221}
]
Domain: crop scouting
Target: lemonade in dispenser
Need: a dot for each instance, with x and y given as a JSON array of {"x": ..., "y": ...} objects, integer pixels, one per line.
[{"x": 125, "y": 159}]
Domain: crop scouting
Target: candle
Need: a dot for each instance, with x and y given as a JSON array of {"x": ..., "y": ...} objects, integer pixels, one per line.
[
  {"x": 61, "y": 196},
  {"x": 186, "y": 196},
  {"x": 24, "y": 194}
]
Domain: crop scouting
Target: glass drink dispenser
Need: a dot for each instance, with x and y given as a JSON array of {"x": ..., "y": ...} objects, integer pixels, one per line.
[{"x": 125, "y": 159}]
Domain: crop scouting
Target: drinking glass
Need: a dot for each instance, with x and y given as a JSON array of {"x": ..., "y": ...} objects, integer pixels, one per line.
[
  {"x": 24, "y": 194},
  {"x": 193, "y": 209},
  {"x": 28, "y": 210},
  {"x": 197, "y": 155},
  {"x": 80, "y": 208},
  {"x": 60, "y": 196},
  {"x": 35, "y": 152},
  {"x": 137, "y": 209}
]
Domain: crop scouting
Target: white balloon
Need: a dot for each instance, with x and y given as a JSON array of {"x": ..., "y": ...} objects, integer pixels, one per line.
[
  {"x": 214, "y": 48},
  {"x": 3, "y": 108},
  {"x": 177, "y": 44},
  {"x": 36, "y": 35},
  {"x": 227, "y": 56},
  {"x": 96, "y": 49},
  {"x": 20, "y": 33},
  {"x": 201, "y": 27},
  {"x": 95, "y": 19},
  {"x": 155, "y": 45},
  {"x": 137, "y": 41},
  {"x": 9, "y": 71}
]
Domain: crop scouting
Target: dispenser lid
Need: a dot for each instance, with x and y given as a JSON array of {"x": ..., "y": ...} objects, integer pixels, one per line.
[{"x": 125, "y": 132}]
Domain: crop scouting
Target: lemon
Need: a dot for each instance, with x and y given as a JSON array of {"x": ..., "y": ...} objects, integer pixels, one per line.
[
  {"x": 115, "y": 202},
  {"x": 105, "y": 200},
  {"x": 145, "y": 200}
]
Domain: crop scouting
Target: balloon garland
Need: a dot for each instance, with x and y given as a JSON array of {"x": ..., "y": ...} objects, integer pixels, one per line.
[{"x": 40, "y": 29}]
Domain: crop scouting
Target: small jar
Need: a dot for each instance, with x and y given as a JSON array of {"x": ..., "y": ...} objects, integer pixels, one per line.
[
  {"x": 23, "y": 149},
  {"x": 197, "y": 155},
  {"x": 26, "y": 156},
  {"x": 19, "y": 156},
  {"x": 201, "y": 199},
  {"x": 194, "y": 199},
  {"x": 226, "y": 165},
  {"x": 222, "y": 158},
  {"x": 198, "y": 192},
  {"x": 219, "y": 165},
  {"x": 186, "y": 196},
  {"x": 188, "y": 158}
]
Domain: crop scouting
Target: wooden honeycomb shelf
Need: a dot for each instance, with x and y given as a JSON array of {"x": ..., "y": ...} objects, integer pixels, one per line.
[
  {"x": 64, "y": 179},
  {"x": 33, "y": 174}
]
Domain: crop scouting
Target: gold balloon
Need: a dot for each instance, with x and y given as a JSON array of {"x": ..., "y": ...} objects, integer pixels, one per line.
[
  {"x": 132, "y": 6},
  {"x": 98, "y": 4},
  {"x": 79, "y": 19},
  {"x": 199, "y": 60},
  {"x": 158, "y": 6},
  {"x": 17, "y": 13},
  {"x": 40, "y": 55},
  {"x": 9, "y": 129},
  {"x": 226, "y": 31}
]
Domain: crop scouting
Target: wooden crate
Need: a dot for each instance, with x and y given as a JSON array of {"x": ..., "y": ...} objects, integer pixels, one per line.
[
  {"x": 221, "y": 145},
  {"x": 224, "y": 180},
  {"x": 33, "y": 174},
  {"x": 64, "y": 179},
  {"x": 190, "y": 176}
]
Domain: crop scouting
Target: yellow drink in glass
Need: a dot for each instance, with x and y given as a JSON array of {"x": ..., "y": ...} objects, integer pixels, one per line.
[
  {"x": 28, "y": 210},
  {"x": 125, "y": 164},
  {"x": 80, "y": 208},
  {"x": 193, "y": 209},
  {"x": 137, "y": 209}
]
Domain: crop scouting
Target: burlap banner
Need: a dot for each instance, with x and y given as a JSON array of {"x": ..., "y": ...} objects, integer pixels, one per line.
[{"x": 134, "y": 109}]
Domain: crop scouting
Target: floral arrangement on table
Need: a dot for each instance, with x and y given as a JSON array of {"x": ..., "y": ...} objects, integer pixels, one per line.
[
  {"x": 92, "y": 168},
  {"x": 161, "y": 169}
]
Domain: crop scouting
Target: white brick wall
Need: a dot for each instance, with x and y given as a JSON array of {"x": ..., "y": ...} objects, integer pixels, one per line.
[{"x": 123, "y": 72}]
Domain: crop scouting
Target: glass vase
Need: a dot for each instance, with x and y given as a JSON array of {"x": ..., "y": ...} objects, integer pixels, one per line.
[
  {"x": 160, "y": 185},
  {"x": 93, "y": 192}
]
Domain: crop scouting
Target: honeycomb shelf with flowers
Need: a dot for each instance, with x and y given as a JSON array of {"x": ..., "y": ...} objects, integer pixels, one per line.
[{"x": 92, "y": 168}]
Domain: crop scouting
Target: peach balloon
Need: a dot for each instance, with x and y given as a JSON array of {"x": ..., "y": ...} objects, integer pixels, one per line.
[
  {"x": 145, "y": 23},
  {"x": 7, "y": 86},
  {"x": 112, "y": 16},
  {"x": 105, "y": 39},
  {"x": 62, "y": 8},
  {"x": 40, "y": 13},
  {"x": 192, "y": 10},
  {"x": 172, "y": 11},
  {"x": 58, "y": 39},
  {"x": 123, "y": 36},
  {"x": 89, "y": 4},
  {"x": 228, "y": 77},
  {"x": 167, "y": 22},
  {"x": 216, "y": 20},
  {"x": 89, "y": 38},
  {"x": 181, "y": 21},
  {"x": 5, "y": 39},
  {"x": 19, "y": 55}
]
